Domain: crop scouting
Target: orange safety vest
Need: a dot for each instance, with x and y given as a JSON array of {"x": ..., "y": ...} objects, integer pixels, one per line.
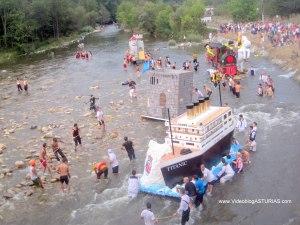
[{"x": 101, "y": 166}]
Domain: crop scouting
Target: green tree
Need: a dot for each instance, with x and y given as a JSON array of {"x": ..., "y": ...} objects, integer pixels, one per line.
[
  {"x": 127, "y": 15},
  {"x": 162, "y": 22},
  {"x": 243, "y": 10}
]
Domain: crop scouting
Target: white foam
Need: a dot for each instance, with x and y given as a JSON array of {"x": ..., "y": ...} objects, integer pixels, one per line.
[{"x": 288, "y": 75}]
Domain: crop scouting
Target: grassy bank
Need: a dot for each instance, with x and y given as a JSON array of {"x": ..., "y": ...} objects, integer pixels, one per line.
[{"x": 11, "y": 55}]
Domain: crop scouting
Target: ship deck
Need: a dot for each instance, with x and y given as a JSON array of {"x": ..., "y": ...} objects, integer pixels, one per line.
[
  {"x": 177, "y": 150},
  {"x": 203, "y": 118}
]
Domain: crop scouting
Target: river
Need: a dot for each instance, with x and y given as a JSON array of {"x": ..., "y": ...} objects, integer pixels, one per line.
[{"x": 59, "y": 88}]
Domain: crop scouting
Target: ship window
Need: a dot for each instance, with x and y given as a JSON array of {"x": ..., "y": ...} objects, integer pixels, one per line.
[
  {"x": 189, "y": 143},
  {"x": 195, "y": 139},
  {"x": 198, "y": 132},
  {"x": 229, "y": 113},
  {"x": 225, "y": 116},
  {"x": 229, "y": 119},
  {"x": 225, "y": 122},
  {"x": 193, "y": 130},
  {"x": 178, "y": 128},
  {"x": 176, "y": 142},
  {"x": 157, "y": 80}
]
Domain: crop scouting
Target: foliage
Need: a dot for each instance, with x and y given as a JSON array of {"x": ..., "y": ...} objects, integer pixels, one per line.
[
  {"x": 167, "y": 19},
  {"x": 26, "y": 23},
  {"x": 243, "y": 10}
]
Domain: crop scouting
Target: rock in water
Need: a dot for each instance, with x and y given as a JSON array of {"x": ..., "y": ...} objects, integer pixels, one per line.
[
  {"x": 114, "y": 134},
  {"x": 7, "y": 195},
  {"x": 33, "y": 127},
  {"x": 48, "y": 135},
  {"x": 19, "y": 164},
  {"x": 2, "y": 146},
  {"x": 29, "y": 192}
]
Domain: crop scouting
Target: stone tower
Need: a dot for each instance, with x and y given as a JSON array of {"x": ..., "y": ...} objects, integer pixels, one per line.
[{"x": 168, "y": 88}]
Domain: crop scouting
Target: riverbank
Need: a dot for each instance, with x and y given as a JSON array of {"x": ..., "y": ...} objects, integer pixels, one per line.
[{"x": 11, "y": 55}]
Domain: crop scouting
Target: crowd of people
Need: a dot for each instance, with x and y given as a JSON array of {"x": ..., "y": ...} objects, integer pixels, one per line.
[{"x": 278, "y": 33}]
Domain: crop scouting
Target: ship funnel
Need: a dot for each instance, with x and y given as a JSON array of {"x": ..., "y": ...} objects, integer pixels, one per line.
[
  {"x": 206, "y": 103},
  {"x": 201, "y": 106},
  {"x": 195, "y": 109},
  {"x": 190, "y": 111}
]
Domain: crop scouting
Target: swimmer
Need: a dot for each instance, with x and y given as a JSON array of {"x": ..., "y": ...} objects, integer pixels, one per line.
[
  {"x": 64, "y": 175},
  {"x": 43, "y": 159}
]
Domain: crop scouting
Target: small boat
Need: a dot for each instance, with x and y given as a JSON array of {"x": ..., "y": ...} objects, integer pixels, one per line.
[{"x": 193, "y": 137}]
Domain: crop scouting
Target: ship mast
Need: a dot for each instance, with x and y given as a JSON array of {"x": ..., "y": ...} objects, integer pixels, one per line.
[{"x": 170, "y": 130}]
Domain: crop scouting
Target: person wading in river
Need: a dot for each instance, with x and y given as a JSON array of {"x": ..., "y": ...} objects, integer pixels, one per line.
[
  {"x": 76, "y": 136},
  {"x": 184, "y": 208},
  {"x": 64, "y": 173},
  {"x": 56, "y": 150},
  {"x": 34, "y": 176},
  {"x": 148, "y": 216},
  {"x": 133, "y": 185},
  {"x": 43, "y": 159},
  {"x": 19, "y": 86},
  {"x": 128, "y": 146},
  {"x": 101, "y": 168},
  {"x": 113, "y": 161},
  {"x": 100, "y": 118},
  {"x": 25, "y": 85}
]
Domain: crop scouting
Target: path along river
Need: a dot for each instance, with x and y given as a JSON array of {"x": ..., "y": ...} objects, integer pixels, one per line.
[{"x": 54, "y": 85}]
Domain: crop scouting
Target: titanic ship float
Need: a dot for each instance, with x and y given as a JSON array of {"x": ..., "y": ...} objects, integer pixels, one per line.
[{"x": 195, "y": 136}]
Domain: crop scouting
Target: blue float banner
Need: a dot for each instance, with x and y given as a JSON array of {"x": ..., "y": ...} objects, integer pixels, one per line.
[{"x": 146, "y": 66}]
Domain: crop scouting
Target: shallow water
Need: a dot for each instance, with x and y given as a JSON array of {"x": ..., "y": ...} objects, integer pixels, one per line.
[{"x": 55, "y": 83}]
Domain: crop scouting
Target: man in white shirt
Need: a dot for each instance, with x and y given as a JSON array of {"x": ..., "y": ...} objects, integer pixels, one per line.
[
  {"x": 209, "y": 177},
  {"x": 113, "y": 161},
  {"x": 227, "y": 170},
  {"x": 148, "y": 216},
  {"x": 184, "y": 208},
  {"x": 241, "y": 124},
  {"x": 133, "y": 185}
]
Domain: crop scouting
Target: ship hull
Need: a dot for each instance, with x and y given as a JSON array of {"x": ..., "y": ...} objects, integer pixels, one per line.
[{"x": 174, "y": 173}]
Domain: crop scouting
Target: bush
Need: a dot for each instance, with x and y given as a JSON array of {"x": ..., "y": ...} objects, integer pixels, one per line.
[
  {"x": 87, "y": 29},
  {"x": 172, "y": 42}
]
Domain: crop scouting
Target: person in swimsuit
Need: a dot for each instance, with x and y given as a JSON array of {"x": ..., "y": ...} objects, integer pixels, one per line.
[
  {"x": 100, "y": 118},
  {"x": 63, "y": 171},
  {"x": 19, "y": 86},
  {"x": 101, "y": 168},
  {"x": 237, "y": 88},
  {"x": 43, "y": 159},
  {"x": 34, "y": 176},
  {"x": 76, "y": 136},
  {"x": 25, "y": 85},
  {"x": 56, "y": 150}
]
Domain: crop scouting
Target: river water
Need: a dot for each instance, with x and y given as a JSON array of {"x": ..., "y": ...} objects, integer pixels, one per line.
[{"x": 59, "y": 88}]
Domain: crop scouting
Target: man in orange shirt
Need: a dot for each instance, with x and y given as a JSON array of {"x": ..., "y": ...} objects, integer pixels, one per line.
[{"x": 101, "y": 168}]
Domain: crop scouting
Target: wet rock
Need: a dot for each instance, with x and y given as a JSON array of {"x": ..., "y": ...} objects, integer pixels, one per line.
[
  {"x": 87, "y": 114},
  {"x": 53, "y": 180},
  {"x": 28, "y": 156},
  {"x": 9, "y": 174},
  {"x": 7, "y": 195},
  {"x": 121, "y": 102},
  {"x": 48, "y": 135},
  {"x": 19, "y": 164},
  {"x": 94, "y": 87},
  {"x": 44, "y": 129},
  {"x": 114, "y": 134},
  {"x": 78, "y": 97},
  {"x": 18, "y": 186},
  {"x": 33, "y": 127},
  {"x": 2, "y": 146},
  {"x": 29, "y": 192}
]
